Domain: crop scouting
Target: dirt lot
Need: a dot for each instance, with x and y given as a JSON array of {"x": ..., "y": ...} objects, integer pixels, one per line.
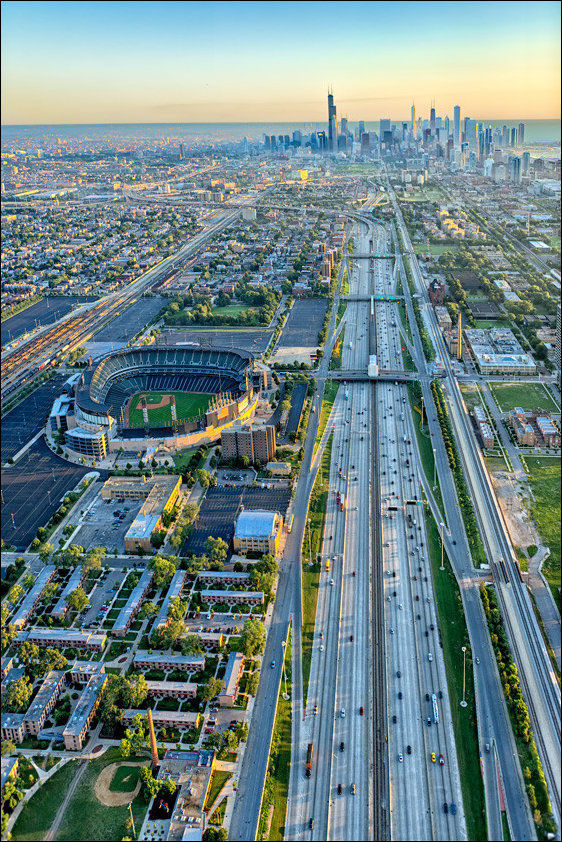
[{"x": 515, "y": 506}]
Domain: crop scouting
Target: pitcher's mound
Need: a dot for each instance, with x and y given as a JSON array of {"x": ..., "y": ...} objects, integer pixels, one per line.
[{"x": 110, "y": 798}]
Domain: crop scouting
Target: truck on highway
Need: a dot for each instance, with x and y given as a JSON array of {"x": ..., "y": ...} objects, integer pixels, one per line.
[
  {"x": 435, "y": 709},
  {"x": 309, "y": 754},
  {"x": 327, "y": 564}
]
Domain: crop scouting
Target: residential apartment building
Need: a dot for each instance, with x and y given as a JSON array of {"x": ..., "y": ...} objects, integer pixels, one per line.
[
  {"x": 31, "y": 599},
  {"x": 180, "y": 719},
  {"x": 16, "y": 726},
  {"x": 145, "y": 660},
  {"x": 232, "y": 597},
  {"x": 75, "y": 731},
  {"x": 131, "y": 607},
  {"x": 172, "y": 689},
  {"x": 257, "y": 442},
  {"x": 232, "y": 675},
  {"x": 62, "y": 638}
]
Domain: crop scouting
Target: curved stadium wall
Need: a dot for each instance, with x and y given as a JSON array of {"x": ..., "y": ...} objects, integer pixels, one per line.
[{"x": 104, "y": 389}]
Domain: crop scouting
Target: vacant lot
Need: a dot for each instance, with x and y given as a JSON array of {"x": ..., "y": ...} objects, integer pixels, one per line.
[
  {"x": 303, "y": 324},
  {"x": 188, "y": 404},
  {"x": 131, "y": 321},
  {"x": 26, "y": 419},
  {"x": 544, "y": 476},
  {"x": 528, "y": 396},
  {"x": 43, "y": 313}
]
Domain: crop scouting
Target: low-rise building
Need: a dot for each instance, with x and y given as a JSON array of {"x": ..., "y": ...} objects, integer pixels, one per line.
[
  {"x": 548, "y": 430},
  {"x": 78, "y": 724},
  {"x": 233, "y": 672},
  {"x": 15, "y": 726},
  {"x": 224, "y": 577},
  {"x": 174, "y": 591},
  {"x": 145, "y": 660},
  {"x": 191, "y": 771},
  {"x": 210, "y": 640},
  {"x": 525, "y": 434},
  {"x": 131, "y": 607},
  {"x": 82, "y": 671},
  {"x": 257, "y": 442},
  {"x": 63, "y": 638},
  {"x": 158, "y": 493},
  {"x": 31, "y": 599},
  {"x": 232, "y": 597},
  {"x": 8, "y": 769},
  {"x": 279, "y": 469},
  {"x": 443, "y": 318},
  {"x": 172, "y": 689},
  {"x": 258, "y": 531},
  {"x": 75, "y": 581},
  {"x": 180, "y": 719}
]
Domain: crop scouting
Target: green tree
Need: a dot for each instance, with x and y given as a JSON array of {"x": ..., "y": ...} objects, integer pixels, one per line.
[
  {"x": 212, "y": 688},
  {"x": 8, "y": 747},
  {"x": 163, "y": 569},
  {"x": 70, "y": 557},
  {"x": 45, "y": 551},
  {"x": 253, "y": 637},
  {"x": 94, "y": 559},
  {"x": 191, "y": 645},
  {"x": 252, "y": 684},
  {"x": 77, "y": 600},
  {"x": 217, "y": 550},
  {"x": 17, "y": 696},
  {"x": 11, "y": 795},
  {"x": 150, "y": 785},
  {"x": 15, "y": 594},
  {"x": 147, "y": 610}
]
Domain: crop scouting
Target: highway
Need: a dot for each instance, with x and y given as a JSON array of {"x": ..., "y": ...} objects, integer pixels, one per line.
[{"x": 538, "y": 681}]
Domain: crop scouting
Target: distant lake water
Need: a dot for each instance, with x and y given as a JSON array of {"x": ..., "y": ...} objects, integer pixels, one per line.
[{"x": 536, "y": 131}]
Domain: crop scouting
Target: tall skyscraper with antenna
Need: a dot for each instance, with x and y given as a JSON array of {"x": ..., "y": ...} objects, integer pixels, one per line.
[
  {"x": 332, "y": 122},
  {"x": 413, "y": 120}
]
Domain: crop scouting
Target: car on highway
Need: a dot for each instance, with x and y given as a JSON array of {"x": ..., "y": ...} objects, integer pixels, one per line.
[
  {"x": 342, "y": 713},
  {"x": 272, "y": 665},
  {"x": 400, "y": 758},
  {"x": 441, "y": 760},
  {"x": 352, "y": 789},
  {"x": 429, "y": 656},
  {"x": 400, "y": 694},
  {"x": 351, "y": 638},
  {"x": 445, "y": 807},
  {"x": 332, "y": 582},
  {"x": 433, "y": 757},
  {"x": 398, "y": 674},
  {"x": 311, "y": 824},
  {"x": 394, "y": 719},
  {"x": 315, "y": 711},
  {"x": 409, "y": 749},
  {"x": 342, "y": 745},
  {"x": 339, "y": 789},
  {"x": 453, "y": 808},
  {"x": 321, "y": 647},
  {"x": 361, "y": 711},
  {"x": 477, "y": 660}
]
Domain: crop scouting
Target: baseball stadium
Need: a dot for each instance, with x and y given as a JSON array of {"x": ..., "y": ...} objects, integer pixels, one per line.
[{"x": 172, "y": 397}]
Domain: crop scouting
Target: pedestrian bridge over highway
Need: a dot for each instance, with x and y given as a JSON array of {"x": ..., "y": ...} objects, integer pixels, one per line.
[
  {"x": 385, "y": 376},
  {"x": 373, "y": 297},
  {"x": 354, "y": 256}
]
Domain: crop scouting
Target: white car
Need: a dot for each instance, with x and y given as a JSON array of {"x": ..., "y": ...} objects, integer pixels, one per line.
[
  {"x": 322, "y": 648},
  {"x": 342, "y": 713},
  {"x": 429, "y": 656},
  {"x": 332, "y": 582},
  {"x": 401, "y": 758}
]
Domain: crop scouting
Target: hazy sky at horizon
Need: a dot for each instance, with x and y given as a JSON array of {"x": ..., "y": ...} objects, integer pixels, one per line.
[{"x": 78, "y": 62}]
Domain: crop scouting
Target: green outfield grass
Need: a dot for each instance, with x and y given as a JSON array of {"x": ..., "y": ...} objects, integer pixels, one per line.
[
  {"x": 229, "y": 310},
  {"x": 188, "y": 404},
  {"x": 528, "y": 396}
]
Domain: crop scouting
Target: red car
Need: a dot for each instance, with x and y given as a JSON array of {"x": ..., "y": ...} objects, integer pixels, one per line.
[
  {"x": 361, "y": 711},
  {"x": 441, "y": 760}
]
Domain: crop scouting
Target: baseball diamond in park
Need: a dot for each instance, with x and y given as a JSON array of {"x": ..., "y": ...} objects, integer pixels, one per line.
[{"x": 159, "y": 396}]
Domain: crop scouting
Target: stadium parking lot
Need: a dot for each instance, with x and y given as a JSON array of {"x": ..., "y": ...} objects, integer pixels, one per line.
[
  {"x": 304, "y": 323},
  {"x": 220, "y": 508},
  {"x": 298, "y": 397},
  {"x": 131, "y": 321},
  {"x": 26, "y": 419},
  {"x": 32, "y": 491},
  {"x": 45, "y": 312},
  {"x": 244, "y": 339},
  {"x": 103, "y": 528}
]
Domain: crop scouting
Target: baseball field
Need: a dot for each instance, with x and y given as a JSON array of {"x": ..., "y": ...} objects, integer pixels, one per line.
[{"x": 158, "y": 404}]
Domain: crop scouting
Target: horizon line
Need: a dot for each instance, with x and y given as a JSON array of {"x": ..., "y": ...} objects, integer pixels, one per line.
[{"x": 248, "y": 122}]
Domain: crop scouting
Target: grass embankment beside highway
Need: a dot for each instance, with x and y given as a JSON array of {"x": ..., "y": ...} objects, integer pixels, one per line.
[
  {"x": 424, "y": 443},
  {"x": 544, "y": 478},
  {"x": 404, "y": 319},
  {"x": 335, "y": 359},
  {"x": 344, "y": 283},
  {"x": 467, "y": 510},
  {"x": 276, "y": 788},
  {"x": 454, "y": 636},
  {"x": 310, "y": 552},
  {"x": 342, "y": 307},
  {"x": 330, "y": 392},
  {"x": 531, "y": 766}
]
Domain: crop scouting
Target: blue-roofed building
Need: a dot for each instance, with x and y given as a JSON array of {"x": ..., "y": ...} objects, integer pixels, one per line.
[{"x": 258, "y": 530}]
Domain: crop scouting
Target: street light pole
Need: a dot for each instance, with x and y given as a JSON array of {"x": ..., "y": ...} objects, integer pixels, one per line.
[
  {"x": 434, "y": 471},
  {"x": 132, "y": 819},
  {"x": 442, "y": 548},
  {"x": 285, "y": 694},
  {"x": 463, "y": 702}
]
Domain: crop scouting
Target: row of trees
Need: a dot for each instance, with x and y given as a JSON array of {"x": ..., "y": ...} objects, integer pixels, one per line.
[
  {"x": 471, "y": 527},
  {"x": 532, "y": 772}
]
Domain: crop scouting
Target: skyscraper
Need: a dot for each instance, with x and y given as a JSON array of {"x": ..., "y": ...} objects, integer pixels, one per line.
[
  {"x": 525, "y": 163},
  {"x": 332, "y": 123},
  {"x": 447, "y": 126},
  {"x": 413, "y": 120},
  {"x": 521, "y": 134},
  {"x": 432, "y": 121},
  {"x": 470, "y": 131},
  {"x": 514, "y": 137},
  {"x": 457, "y": 126},
  {"x": 505, "y": 137},
  {"x": 182, "y": 154}
]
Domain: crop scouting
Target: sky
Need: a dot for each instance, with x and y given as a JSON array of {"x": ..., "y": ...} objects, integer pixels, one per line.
[{"x": 158, "y": 62}]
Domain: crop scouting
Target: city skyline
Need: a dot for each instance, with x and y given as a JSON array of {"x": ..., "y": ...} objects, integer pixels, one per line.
[{"x": 378, "y": 59}]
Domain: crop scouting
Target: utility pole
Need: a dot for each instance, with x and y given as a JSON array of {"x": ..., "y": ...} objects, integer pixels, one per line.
[
  {"x": 442, "y": 549},
  {"x": 132, "y": 819},
  {"x": 434, "y": 471}
]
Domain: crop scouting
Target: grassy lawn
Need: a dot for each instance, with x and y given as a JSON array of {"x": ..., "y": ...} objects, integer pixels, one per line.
[
  {"x": 125, "y": 779},
  {"x": 38, "y": 814},
  {"x": 455, "y": 635},
  {"x": 218, "y": 780},
  {"x": 85, "y": 818},
  {"x": 229, "y": 310},
  {"x": 335, "y": 359},
  {"x": 341, "y": 310},
  {"x": 544, "y": 476},
  {"x": 281, "y": 761},
  {"x": 188, "y": 404},
  {"x": 486, "y": 324},
  {"x": 528, "y": 396},
  {"x": 404, "y": 320},
  {"x": 330, "y": 392}
]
